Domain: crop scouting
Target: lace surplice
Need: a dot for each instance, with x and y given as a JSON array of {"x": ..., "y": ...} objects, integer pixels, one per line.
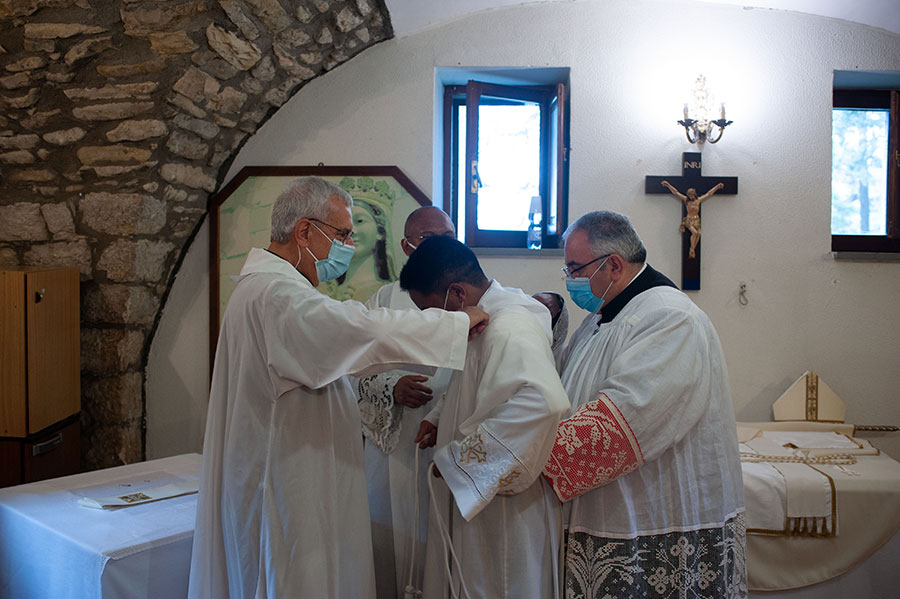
[{"x": 381, "y": 417}]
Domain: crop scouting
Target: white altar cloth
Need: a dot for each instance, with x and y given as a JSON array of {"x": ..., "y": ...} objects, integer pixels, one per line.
[
  {"x": 52, "y": 547},
  {"x": 861, "y": 556}
]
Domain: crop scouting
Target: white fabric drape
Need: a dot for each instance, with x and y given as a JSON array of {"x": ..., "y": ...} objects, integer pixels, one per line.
[
  {"x": 496, "y": 429},
  {"x": 659, "y": 361}
]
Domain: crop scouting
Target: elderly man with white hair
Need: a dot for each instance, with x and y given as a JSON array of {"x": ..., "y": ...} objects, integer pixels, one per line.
[
  {"x": 282, "y": 510},
  {"x": 647, "y": 461}
]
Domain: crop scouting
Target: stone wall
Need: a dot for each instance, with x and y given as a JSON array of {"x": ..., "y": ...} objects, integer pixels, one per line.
[{"x": 119, "y": 119}]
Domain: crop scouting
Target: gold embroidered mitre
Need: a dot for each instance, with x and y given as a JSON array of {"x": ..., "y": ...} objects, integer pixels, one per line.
[{"x": 809, "y": 398}]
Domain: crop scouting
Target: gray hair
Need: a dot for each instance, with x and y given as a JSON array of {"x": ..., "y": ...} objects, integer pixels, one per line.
[
  {"x": 610, "y": 233},
  {"x": 306, "y": 197}
]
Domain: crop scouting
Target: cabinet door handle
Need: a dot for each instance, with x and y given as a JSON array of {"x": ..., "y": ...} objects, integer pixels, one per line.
[
  {"x": 39, "y": 295},
  {"x": 47, "y": 446}
]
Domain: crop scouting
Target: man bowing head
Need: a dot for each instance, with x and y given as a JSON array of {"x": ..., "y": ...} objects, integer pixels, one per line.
[
  {"x": 282, "y": 510},
  {"x": 392, "y": 404},
  {"x": 492, "y": 510}
]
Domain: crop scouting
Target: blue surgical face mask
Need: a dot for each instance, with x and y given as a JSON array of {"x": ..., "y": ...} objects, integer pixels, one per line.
[
  {"x": 337, "y": 262},
  {"x": 580, "y": 291}
]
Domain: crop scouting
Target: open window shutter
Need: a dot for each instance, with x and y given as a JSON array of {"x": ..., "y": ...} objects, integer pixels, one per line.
[
  {"x": 562, "y": 159},
  {"x": 473, "y": 98},
  {"x": 893, "y": 205}
]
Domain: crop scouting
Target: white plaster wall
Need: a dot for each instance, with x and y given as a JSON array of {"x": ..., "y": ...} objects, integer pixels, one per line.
[
  {"x": 177, "y": 383},
  {"x": 632, "y": 63}
]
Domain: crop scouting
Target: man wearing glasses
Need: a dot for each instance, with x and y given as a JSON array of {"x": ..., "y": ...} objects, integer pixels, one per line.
[
  {"x": 282, "y": 510},
  {"x": 647, "y": 459},
  {"x": 393, "y": 405}
]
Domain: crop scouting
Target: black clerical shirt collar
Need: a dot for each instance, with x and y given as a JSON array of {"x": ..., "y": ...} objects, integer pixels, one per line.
[{"x": 648, "y": 279}]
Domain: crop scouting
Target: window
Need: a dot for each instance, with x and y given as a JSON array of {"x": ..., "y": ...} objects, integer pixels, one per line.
[
  {"x": 505, "y": 163},
  {"x": 865, "y": 171}
]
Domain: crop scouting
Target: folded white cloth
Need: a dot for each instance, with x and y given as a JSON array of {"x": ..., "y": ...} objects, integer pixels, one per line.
[
  {"x": 801, "y": 501},
  {"x": 811, "y": 502},
  {"x": 142, "y": 496},
  {"x": 811, "y": 439},
  {"x": 765, "y": 498}
]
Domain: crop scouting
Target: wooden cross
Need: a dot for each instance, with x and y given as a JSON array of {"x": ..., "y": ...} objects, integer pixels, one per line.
[{"x": 696, "y": 188}]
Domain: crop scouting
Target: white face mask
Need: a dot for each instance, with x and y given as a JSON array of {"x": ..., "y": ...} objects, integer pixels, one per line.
[{"x": 447, "y": 296}]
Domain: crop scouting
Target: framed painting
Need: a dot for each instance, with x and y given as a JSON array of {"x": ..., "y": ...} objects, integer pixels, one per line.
[{"x": 240, "y": 217}]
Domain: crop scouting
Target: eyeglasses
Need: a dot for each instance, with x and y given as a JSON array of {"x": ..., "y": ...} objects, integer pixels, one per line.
[
  {"x": 570, "y": 272},
  {"x": 341, "y": 235},
  {"x": 418, "y": 238}
]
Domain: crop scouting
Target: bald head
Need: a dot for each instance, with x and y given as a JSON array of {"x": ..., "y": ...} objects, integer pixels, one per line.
[{"x": 424, "y": 222}]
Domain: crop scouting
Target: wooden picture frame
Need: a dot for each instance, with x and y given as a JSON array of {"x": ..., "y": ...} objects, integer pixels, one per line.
[{"x": 240, "y": 218}]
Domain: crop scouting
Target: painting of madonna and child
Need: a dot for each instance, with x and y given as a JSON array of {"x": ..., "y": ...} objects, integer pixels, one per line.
[{"x": 382, "y": 199}]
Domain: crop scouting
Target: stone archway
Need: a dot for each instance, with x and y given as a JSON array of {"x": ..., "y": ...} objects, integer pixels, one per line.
[{"x": 120, "y": 118}]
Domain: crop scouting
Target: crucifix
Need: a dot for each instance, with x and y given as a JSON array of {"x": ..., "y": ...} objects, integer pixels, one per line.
[{"x": 697, "y": 188}]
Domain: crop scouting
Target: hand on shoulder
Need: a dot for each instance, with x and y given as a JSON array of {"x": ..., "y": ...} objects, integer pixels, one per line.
[{"x": 478, "y": 319}]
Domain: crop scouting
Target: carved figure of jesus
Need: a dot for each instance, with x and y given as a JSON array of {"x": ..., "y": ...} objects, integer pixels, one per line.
[{"x": 691, "y": 222}]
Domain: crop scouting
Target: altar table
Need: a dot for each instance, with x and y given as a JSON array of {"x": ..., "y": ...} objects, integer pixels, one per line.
[
  {"x": 860, "y": 560},
  {"x": 50, "y": 546}
]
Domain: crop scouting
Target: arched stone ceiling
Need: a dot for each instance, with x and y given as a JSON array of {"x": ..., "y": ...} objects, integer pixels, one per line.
[{"x": 119, "y": 119}]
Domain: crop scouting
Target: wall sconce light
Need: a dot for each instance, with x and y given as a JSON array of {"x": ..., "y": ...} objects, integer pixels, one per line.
[{"x": 704, "y": 126}]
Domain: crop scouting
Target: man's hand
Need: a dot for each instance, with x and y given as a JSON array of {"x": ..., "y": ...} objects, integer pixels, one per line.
[
  {"x": 478, "y": 319},
  {"x": 411, "y": 393},
  {"x": 427, "y": 436}
]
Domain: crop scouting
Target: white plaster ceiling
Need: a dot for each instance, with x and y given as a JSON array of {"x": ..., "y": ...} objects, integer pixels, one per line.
[{"x": 411, "y": 16}]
